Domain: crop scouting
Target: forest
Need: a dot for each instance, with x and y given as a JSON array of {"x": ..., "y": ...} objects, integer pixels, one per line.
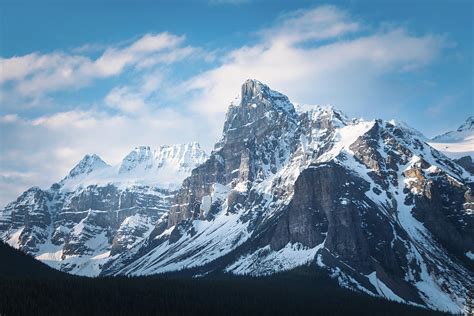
[{"x": 29, "y": 287}]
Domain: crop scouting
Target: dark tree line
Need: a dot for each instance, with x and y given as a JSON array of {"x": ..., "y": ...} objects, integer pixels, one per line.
[{"x": 39, "y": 290}]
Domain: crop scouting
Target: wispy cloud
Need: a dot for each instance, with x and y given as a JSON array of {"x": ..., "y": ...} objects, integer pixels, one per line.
[
  {"x": 318, "y": 55},
  {"x": 324, "y": 22},
  {"x": 442, "y": 105},
  {"x": 38, "y": 152},
  {"x": 291, "y": 58},
  {"x": 38, "y": 74}
]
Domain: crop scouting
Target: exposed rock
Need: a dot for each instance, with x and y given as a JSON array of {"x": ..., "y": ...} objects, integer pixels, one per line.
[
  {"x": 467, "y": 163},
  {"x": 98, "y": 212},
  {"x": 370, "y": 202}
]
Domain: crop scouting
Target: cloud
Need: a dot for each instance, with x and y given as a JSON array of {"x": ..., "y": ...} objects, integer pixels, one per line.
[
  {"x": 320, "y": 55},
  {"x": 38, "y": 152},
  {"x": 290, "y": 57},
  {"x": 37, "y": 74},
  {"x": 136, "y": 99},
  {"x": 113, "y": 60},
  {"x": 440, "y": 106},
  {"x": 125, "y": 100},
  {"x": 8, "y": 118},
  {"x": 324, "y": 22}
]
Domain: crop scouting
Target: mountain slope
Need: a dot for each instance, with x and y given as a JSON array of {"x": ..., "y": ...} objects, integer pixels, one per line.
[
  {"x": 369, "y": 201},
  {"x": 97, "y": 210},
  {"x": 46, "y": 291},
  {"x": 17, "y": 264},
  {"x": 300, "y": 292},
  {"x": 459, "y": 143}
]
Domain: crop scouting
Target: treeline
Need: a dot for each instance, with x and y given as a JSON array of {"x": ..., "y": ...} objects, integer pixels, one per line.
[{"x": 300, "y": 292}]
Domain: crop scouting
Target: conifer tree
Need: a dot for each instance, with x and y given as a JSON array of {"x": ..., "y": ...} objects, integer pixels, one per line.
[{"x": 469, "y": 305}]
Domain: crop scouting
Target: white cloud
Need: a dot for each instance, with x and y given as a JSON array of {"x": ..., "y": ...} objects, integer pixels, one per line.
[
  {"x": 320, "y": 55},
  {"x": 8, "y": 118},
  {"x": 153, "y": 43},
  {"x": 125, "y": 100},
  {"x": 345, "y": 71},
  {"x": 134, "y": 100},
  {"x": 320, "y": 23},
  {"x": 38, "y": 74},
  {"x": 41, "y": 151}
]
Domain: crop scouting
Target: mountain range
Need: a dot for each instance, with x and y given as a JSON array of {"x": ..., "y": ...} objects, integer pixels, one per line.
[
  {"x": 375, "y": 204},
  {"x": 98, "y": 210},
  {"x": 459, "y": 143}
]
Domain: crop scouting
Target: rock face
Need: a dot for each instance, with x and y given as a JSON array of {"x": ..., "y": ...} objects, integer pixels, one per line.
[
  {"x": 467, "y": 163},
  {"x": 97, "y": 211},
  {"x": 370, "y": 202},
  {"x": 250, "y": 150}
]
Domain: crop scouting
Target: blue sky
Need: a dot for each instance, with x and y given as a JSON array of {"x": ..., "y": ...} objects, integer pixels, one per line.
[{"x": 104, "y": 76}]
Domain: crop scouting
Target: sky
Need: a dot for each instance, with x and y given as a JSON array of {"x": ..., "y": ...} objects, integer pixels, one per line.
[{"x": 102, "y": 77}]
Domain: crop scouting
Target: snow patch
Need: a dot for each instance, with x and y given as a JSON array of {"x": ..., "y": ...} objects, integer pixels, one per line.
[
  {"x": 382, "y": 289},
  {"x": 13, "y": 241},
  {"x": 265, "y": 261}
]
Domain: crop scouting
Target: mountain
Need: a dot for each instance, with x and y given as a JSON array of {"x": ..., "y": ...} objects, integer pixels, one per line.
[
  {"x": 165, "y": 167},
  {"x": 42, "y": 290},
  {"x": 88, "y": 164},
  {"x": 17, "y": 264},
  {"x": 369, "y": 202},
  {"x": 29, "y": 287},
  {"x": 459, "y": 143},
  {"x": 97, "y": 210}
]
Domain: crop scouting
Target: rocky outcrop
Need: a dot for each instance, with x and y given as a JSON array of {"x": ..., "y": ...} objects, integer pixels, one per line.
[
  {"x": 258, "y": 138},
  {"x": 369, "y": 202},
  {"x": 467, "y": 163},
  {"x": 98, "y": 212},
  {"x": 67, "y": 229}
]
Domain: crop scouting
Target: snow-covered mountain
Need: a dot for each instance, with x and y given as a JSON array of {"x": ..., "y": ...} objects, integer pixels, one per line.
[
  {"x": 165, "y": 167},
  {"x": 97, "y": 210},
  {"x": 370, "y": 202},
  {"x": 459, "y": 143}
]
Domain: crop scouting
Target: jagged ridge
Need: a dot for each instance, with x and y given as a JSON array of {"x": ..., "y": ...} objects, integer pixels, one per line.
[
  {"x": 368, "y": 201},
  {"x": 98, "y": 211},
  {"x": 365, "y": 200}
]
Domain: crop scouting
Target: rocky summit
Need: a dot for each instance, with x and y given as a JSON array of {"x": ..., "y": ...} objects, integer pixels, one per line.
[{"x": 369, "y": 202}]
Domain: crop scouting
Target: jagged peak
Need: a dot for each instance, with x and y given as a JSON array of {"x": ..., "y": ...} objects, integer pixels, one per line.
[
  {"x": 190, "y": 145},
  {"x": 141, "y": 149},
  {"x": 327, "y": 113},
  {"x": 255, "y": 92},
  {"x": 165, "y": 166},
  {"x": 186, "y": 154},
  {"x": 183, "y": 154},
  {"x": 407, "y": 128},
  {"x": 463, "y": 131},
  {"x": 468, "y": 125},
  {"x": 137, "y": 156},
  {"x": 329, "y": 110},
  {"x": 89, "y": 163},
  {"x": 257, "y": 101},
  {"x": 253, "y": 88}
]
